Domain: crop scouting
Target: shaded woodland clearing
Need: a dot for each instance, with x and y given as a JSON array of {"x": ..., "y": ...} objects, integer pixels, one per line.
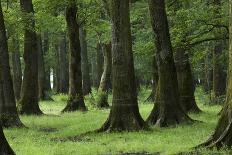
[
  {"x": 56, "y": 134},
  {"x": 117, "y": 47}
]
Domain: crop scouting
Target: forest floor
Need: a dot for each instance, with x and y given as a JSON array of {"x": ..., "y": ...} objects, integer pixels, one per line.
[{"x": 58, "y": 134}]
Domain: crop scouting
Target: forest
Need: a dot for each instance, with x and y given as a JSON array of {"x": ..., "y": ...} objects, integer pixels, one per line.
[{"x": 115, "y": 77}]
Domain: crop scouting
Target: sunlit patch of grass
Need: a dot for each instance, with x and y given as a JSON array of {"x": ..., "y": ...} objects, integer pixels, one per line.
[{"x": 38, "y": 138}]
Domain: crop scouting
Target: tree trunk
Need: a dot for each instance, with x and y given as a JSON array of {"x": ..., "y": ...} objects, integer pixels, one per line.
[
  {"x": 124, "y": 114},
  {"x": 29, "y": 103},
  {"x": 63, "y": 65},
  {"x": 223, "y": 132},
  {"x": 16, "y": 68},
  {"x": 219, "y": 77},
  {"x": 167, "y": 110},
  {"x": 106, "y": 77},
  {"x": 5, "y": 148},
  {"x": 8, "y": 112},
  {"x": 99, "y": 64},
  {"x": 84, "y": 63},
  {"x": 76, "y": 98},
  {"x": 185, "y": 81},
  {"x": 56, "y": 79},
  {"x": 41, "y": 69},
  {"x": 47, "y": 82}
]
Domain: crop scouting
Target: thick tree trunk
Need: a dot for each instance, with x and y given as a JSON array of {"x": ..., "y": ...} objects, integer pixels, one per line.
[
  {"x": 124, "y": 114},
  {"x": 16, "y": 68},
  {"x": 29, "y": 103},
  {"x": 185, "y": 81},
  {"x": 167, "y": 110},
  {"x": 223, "y": 132},
  {"x": 84, "y": 63},
  {"x": 41, "y": 69},
  {"x": 63, "y": 65},
  {"x": 8, "y": 112},
  {"x": 76, "y": 98},
  {"x": 47, "y": 82},
  {"x": 106, "y": 77},
  {"x": 5, "y": 148},
  {"x": 219, "y": 77},
  {"x": 99, "y": 64}
]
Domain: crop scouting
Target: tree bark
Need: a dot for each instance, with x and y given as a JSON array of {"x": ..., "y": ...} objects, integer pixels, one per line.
[
  {"x": 56, "y": 77},
  {"x": 63, "y": 65},
  {"x": 76, "y": 98},
  {"x": 124, "y": 114},
  {"x": 84, "y": 63},
  {"x": 29, "y": 103},
  {"x": 219, "y": 77},
  {"x": 41, "y": 69},
  {"x": 223, "y": 132},
  {"x": 47, "y": 82},
  {"x": 106, "y": 77},
  {"x": 5, "y": 148},
  {"x": 8, "y": 112},
  {"x": 16, "y": 68},
  {"x": 185, "y": 81},
  {"x": 167, "y": 110}
]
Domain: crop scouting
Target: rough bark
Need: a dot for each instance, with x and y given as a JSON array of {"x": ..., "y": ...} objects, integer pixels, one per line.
[
  {"x": 167, "y": 110},
  {"x": 84, "y": 63},
  {"x": 8, "y": 112},
  {"x": 16, "y": 68},
  {"x": 106, "y": 77},
  {"x": 185, "y": 81},
  {"x": 5, "y": 148},
  {"x": 222, "y": 137},
  {"x": 76, "y": 99},
  {"x": 29, "y": 102},
  {"x": 124, "y": 114},
  {"x": 63, "y": 65}
]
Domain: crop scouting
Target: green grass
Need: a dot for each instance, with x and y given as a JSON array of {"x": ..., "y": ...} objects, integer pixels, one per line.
[{"x": 37, "y": 141}]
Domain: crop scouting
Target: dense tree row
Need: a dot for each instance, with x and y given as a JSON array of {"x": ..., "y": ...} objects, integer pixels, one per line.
[{"x": 115, "y": 47}]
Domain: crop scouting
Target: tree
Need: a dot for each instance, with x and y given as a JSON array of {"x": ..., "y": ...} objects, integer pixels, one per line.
[
  {"x": 76, "y": 99},
  {"x": 5, "y": 148},
  {"x": 219, "y": 76},
  {"x": 222, "y": 134},
  {"x": 106, "y": 77},
  {"x": 41, "y": 69},
  {"x": 99, "y": 65},
  {"x": 124, "y": 114},
  {"x": 47, "y": 82},
  {"x": 63, "y": 65},
  {"x": 167, "y": 110},
  {"x": 8, "y": 112},
  {"x": 185, "y": 81},
  {"x": 29, "y": 103},
  {"x": 84, "y": 62},
  {"x": 16, "y": 68}
]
